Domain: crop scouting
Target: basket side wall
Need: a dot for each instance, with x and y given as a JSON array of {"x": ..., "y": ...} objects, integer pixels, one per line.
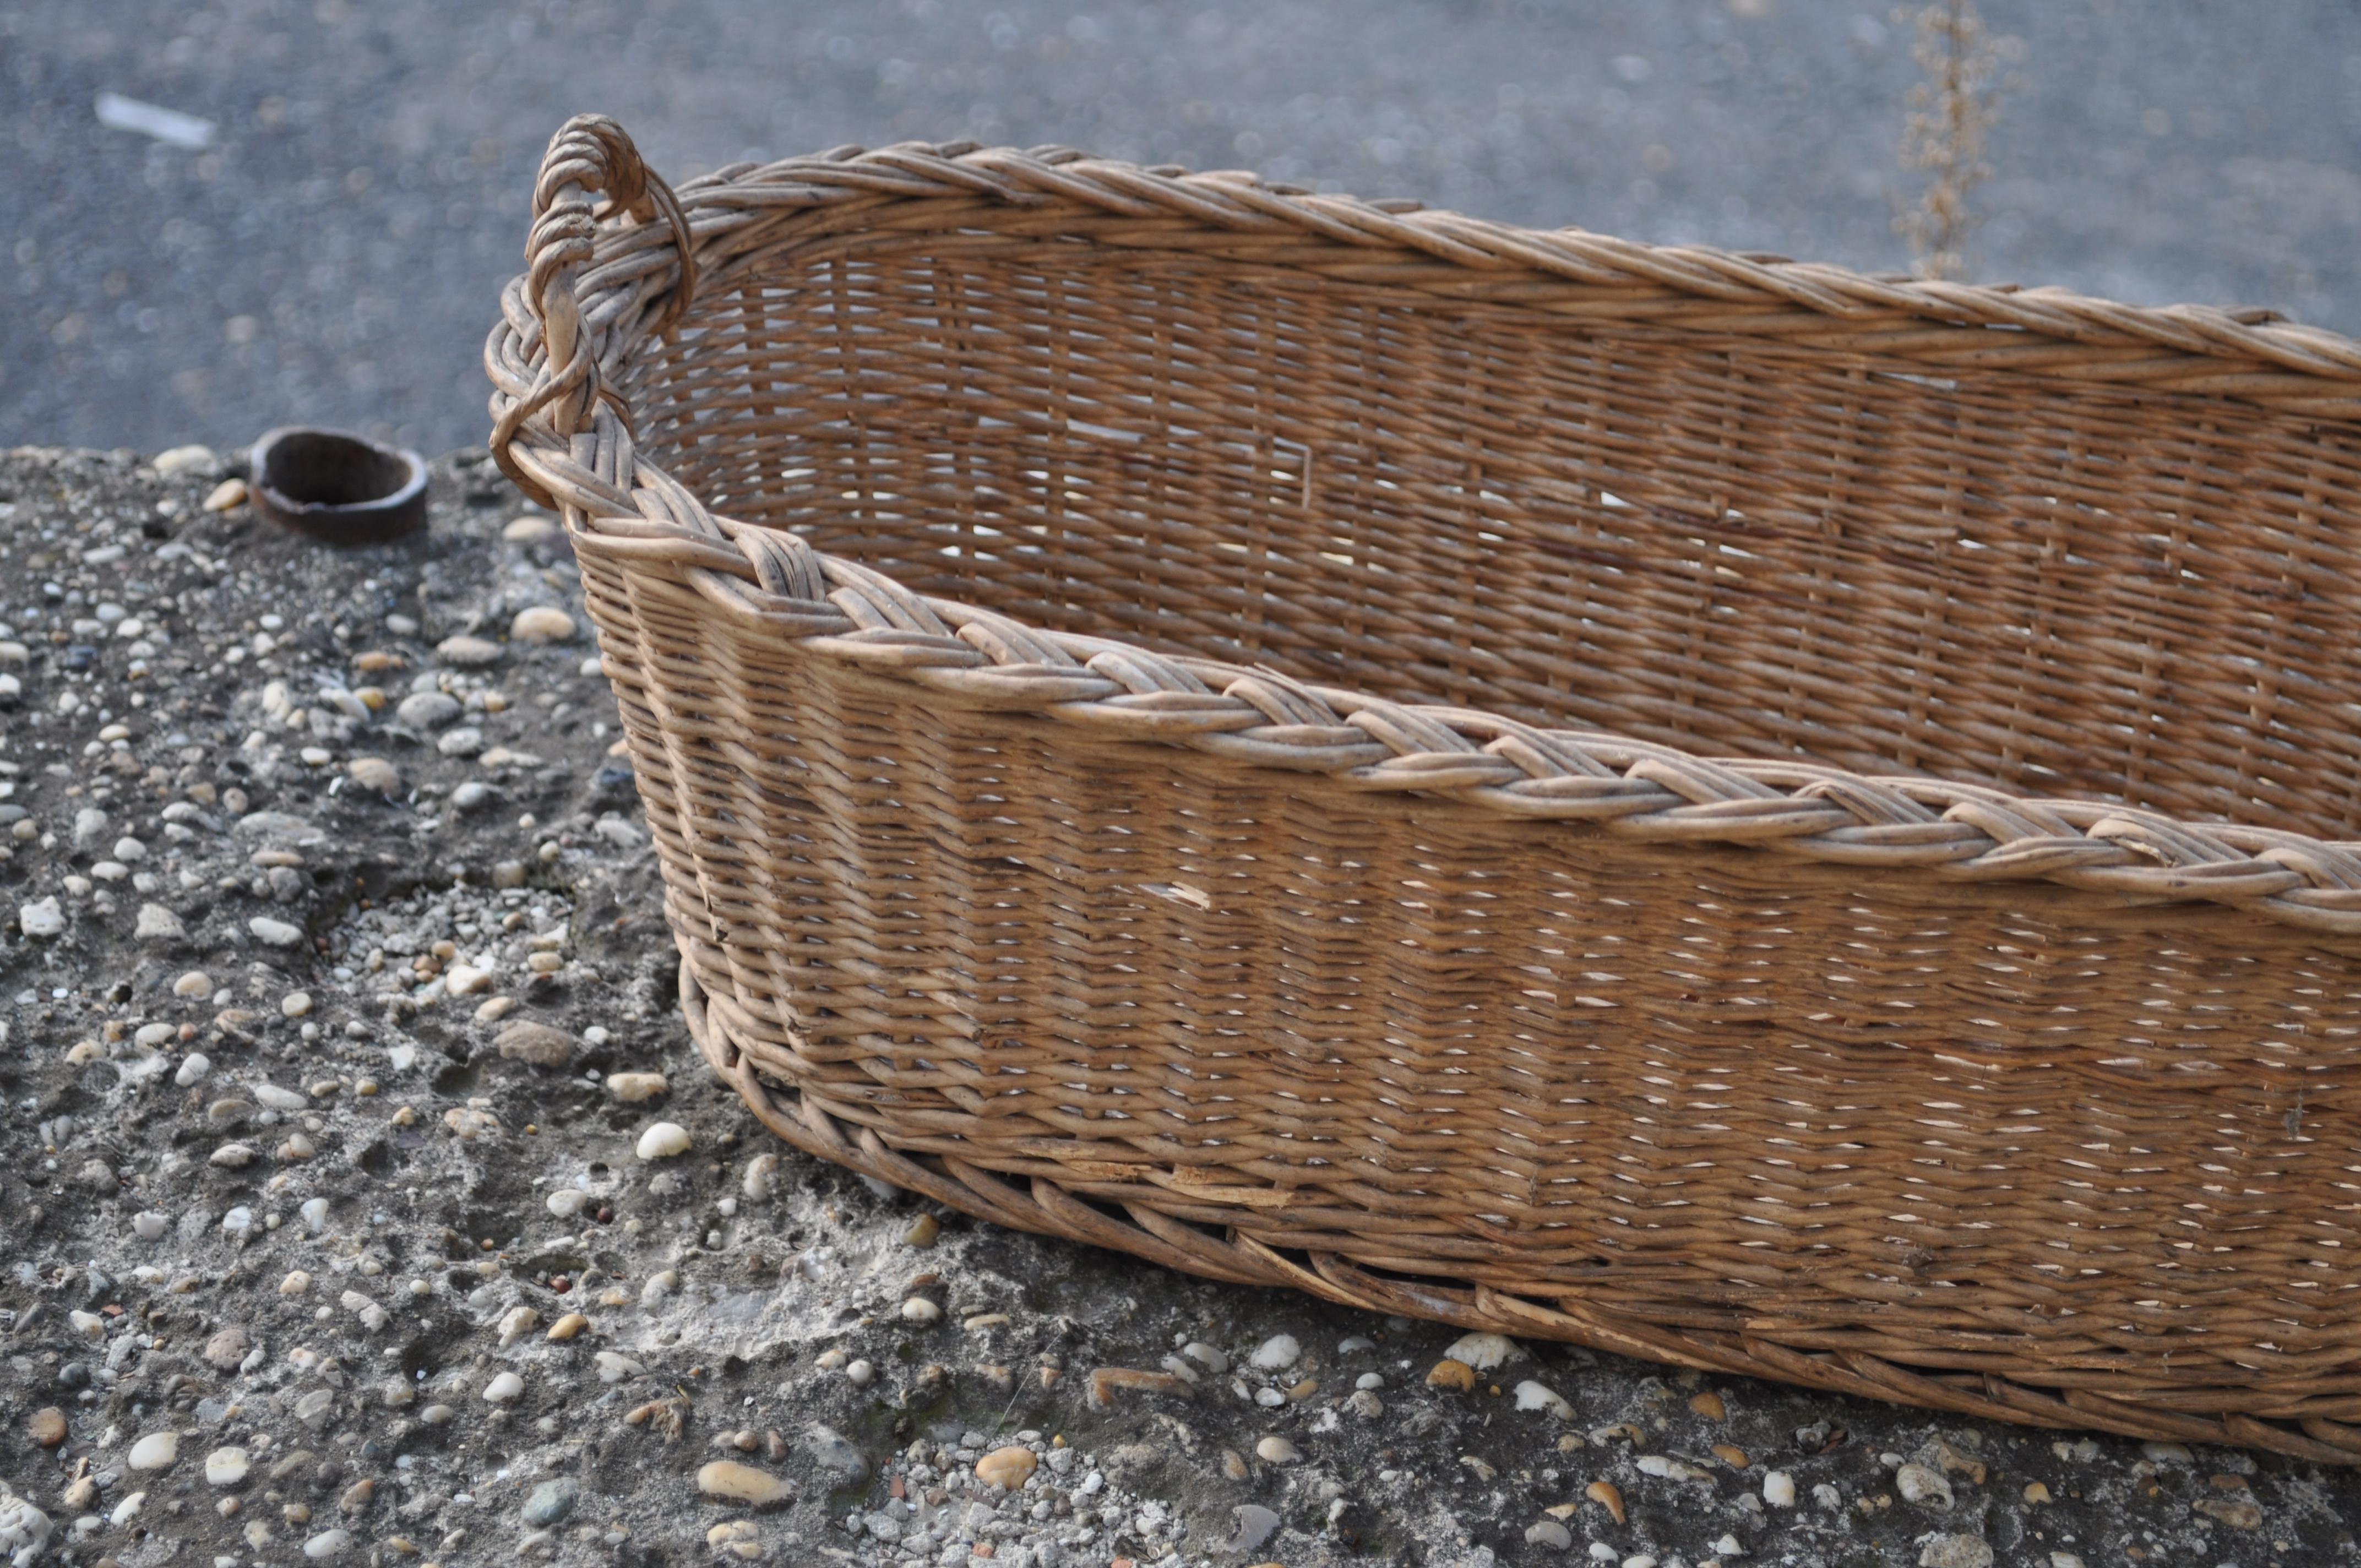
[
  {"x": 1722, "y": 1091},
  {"x": 1702, "y": 538}
]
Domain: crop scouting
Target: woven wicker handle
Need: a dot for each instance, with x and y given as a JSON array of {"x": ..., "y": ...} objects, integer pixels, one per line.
[{"x": 590, "y": 156}]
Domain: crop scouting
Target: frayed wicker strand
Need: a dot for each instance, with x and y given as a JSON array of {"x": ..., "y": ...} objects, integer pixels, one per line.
[{"x": 1720, "y": 809}]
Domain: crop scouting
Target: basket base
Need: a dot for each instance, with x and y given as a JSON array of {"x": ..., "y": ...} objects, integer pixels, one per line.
[{"x": 1044, "y": 1208}]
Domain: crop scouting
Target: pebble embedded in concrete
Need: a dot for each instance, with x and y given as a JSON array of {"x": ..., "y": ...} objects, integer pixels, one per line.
[
  {"x": 633, "y": 1087},
  {"x": 1276, "y": 1353},
  {"x": 663, "y": 1140},
  {"x": 157, "y": 1450},
  {"x": 538, "y": 1044},
  {"x": 467, "y": 652},
  {"x": 734, "y": 1481},
  {"x": 427, "y": 709},
  {"x": 1956, "y": 1551},
  {"x": 552, "y": 1501},
  {"x": 542, "y": 623},
  {"x": 1007, "y": 1467},
  {"x": 1920, "y": 1485}
]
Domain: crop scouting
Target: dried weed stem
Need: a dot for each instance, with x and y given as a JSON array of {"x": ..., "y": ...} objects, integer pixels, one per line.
[{"x": 1949, "y": 113}]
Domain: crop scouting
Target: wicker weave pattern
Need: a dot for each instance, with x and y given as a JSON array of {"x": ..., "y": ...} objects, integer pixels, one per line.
[{"x": 1170, "y": 711}]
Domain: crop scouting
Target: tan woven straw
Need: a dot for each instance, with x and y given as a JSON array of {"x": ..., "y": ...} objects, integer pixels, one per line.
[{"x": 1714, "y": 809}]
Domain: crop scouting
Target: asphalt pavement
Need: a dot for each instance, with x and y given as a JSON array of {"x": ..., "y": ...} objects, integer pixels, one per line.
[{"x": 334, "y": 251}]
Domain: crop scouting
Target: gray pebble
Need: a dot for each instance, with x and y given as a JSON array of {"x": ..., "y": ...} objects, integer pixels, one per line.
[
  {"x": 835, "y": 1453},
  {"x": 1257, "y": 1524},
  {"x": 427, "y": 709},
  {"x": 552, "y": 1501}
]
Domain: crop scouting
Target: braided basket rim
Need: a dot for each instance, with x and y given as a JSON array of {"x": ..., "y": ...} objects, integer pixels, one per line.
[{"x": 606, "y": 276}]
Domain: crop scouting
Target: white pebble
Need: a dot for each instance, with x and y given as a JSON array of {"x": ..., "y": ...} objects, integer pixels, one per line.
[
  {"x": 178, "y": 462},
  {"x": 1532, "y": 1396},
  {"x": 542, "y": 623},
  {"x": 860, "y": 1373},
  {"x": 295, "y": 1003},
  {"x": 631, "y": 1088},
  {"x": 1669, "y": 1469},
  {"x": 1207, "y": 1356},
  {"x": 1918, "y": 1484},
  {"x": 327, "y": 1543},
  {"x": 918, "y": 1309},
  {"x": 1779, "y": 1489},
  {"x": 663, "y": 1140},
  {"x": 567, "y": 1201},
  {"x": 157, "y": 1450},
  {"x": 1277, "y": 1354},
  {"x": 1276, "y": 1450},
  {"x": 274, "y": 933},
  {"x": 504, "y": 1389},
  {"x": 314, "y": 1213},
  {"x": 1481, "y": 1352},
  {"x": 226, "y": 1466},
  {"x": 149, "y": 1225},
  {"x": 614, "y": 1367}
]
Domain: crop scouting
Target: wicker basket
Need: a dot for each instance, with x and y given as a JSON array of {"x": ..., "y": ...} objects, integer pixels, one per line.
[{"x": 1718, "y": 809}]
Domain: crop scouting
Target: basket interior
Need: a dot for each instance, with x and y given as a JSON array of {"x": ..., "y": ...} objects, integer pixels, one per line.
[{"x": 1704, "y": 538}]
